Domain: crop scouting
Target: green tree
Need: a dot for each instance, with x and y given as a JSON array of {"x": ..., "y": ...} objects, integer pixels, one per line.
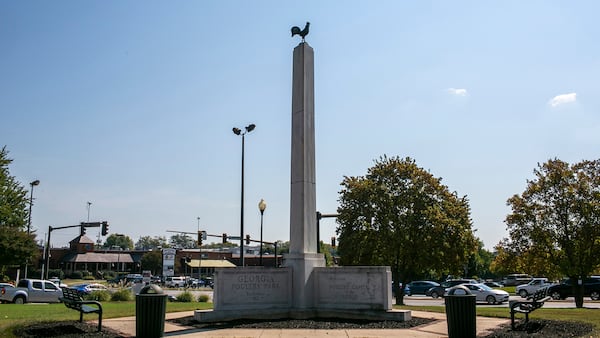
[
  {"x": 16, "y": 246},
  {"x": 479, "y": 263},
  {"x": 122, "y": 241},
  {"x": 553, "y": 226},
  {"x": 14, "y": 204},
  {"x": 152, "y": 261},
  {"x": 400, "y": 215},
  {"x": 151, "y": 243},
  {"x": 183, "y": 241}
]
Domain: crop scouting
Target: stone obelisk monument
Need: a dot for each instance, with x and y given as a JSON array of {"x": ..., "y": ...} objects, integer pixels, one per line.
[
  {"x": 303, "y": 287},
  {"x": 303, "y": 256}
]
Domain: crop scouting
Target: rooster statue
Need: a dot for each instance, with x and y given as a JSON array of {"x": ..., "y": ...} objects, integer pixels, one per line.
[{"x": 302, "y": 33}]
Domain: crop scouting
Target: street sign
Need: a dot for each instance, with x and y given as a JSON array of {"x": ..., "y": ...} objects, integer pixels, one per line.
[{"x": 234, "y": 238}]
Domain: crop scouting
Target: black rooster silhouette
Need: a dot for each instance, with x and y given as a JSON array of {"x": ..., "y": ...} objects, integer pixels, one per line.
[{"x": 302, "y": 33}]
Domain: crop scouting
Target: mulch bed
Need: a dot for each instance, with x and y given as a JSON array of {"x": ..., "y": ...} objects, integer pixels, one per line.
[
  {"x": 65, "y": 329},
  {"x": 535, "y": 328}
]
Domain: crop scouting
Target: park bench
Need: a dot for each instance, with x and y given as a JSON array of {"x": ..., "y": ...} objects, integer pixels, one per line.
[
  {"x": 72, "y": 299},
  {"x": 529, "y": 305}
]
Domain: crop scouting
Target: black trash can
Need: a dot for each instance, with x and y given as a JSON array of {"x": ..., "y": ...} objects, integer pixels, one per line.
[
  {"x": 461, "y": 313},
  {"x": 150, "y": 309}
]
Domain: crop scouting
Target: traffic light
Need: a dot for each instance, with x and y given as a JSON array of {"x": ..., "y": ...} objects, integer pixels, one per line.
[
  {"x": 333, "y": 241},
  {"x": 104, "y": 228},
  {"x": 81, "y": 229},
  {"x": 224, "y": 238},
  {"x": 247, "y": 239},
  {"x": 200, "y": 238}
]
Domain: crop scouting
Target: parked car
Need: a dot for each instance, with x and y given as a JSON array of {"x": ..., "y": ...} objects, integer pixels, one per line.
[
  {"x": 419, "y": 287},
  {"x": 32, "y": 291},
  {"x": 175, "y": 282},
  {"x": 530, "y": 288},
  {"x": 3, "y": 288},
  {"x": 96, "y": 287},
  {"x": 81, "y": 288},
  {"x": 515, "y": 279},
  {"x": 493, "y": 285},
  {"x": 438, "y": 291},
  {"x": 484, "y": 293},
  {"x": 591, "y": 288}
]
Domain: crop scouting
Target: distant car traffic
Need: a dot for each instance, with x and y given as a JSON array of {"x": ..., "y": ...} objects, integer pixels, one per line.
[
  {"x": 438, "y": 291},
  {"x": 515, "y": 279},
  {"x": 591, "y": 288},
  {"x": 484, "y": 293},
  {"x": 419, "y": 287}
]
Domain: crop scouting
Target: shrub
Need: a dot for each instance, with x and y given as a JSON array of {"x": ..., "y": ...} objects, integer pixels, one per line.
[
  {"x": 76, "y": 275},
  {"x": 122, "y": 295},
  {"x": 101, "y": 296},
  {"x": 203, "y": 298},
  {"x": 90, "y": 277},
  {"x": 185, "y": 296}
]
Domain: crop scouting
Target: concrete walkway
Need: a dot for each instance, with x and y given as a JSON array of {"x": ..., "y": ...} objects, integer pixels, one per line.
[{"x": 438, "y": 328}]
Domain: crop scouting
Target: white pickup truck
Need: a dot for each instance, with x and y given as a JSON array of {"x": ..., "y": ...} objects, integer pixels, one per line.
[
  {"x": 31, "y": 291},
  {"x": 530, "y": 288}
]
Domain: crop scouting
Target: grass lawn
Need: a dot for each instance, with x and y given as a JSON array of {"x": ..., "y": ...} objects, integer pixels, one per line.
[
  {"x": 578, "y": 315},
  {"x": 12, "y": 315}
]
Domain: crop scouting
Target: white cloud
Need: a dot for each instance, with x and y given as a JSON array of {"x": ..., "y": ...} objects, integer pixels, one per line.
[
  {"x": 458, "y": 91},
  {"x": 563, "y": 98}
]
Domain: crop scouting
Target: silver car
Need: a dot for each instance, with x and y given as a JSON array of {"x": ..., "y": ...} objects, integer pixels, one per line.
[{"x": 484, "y": 293}]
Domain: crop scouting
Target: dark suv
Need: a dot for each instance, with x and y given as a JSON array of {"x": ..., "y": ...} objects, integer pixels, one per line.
[
  {"x": 438, "y": 291},
  {"x": 591, "y": 288}
]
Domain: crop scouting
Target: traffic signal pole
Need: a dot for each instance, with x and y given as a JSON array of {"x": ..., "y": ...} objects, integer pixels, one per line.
[{"x": 82, "y": 226}]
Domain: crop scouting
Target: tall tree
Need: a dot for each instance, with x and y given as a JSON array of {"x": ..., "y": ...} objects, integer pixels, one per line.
[
  {"x": 16, "y": 246},
  {"x": 122, "y": 241},
  {"x": 152, "y": 261},
  {"x": 183, "y": 241},
  {"x": 554, "y": 222},
  {"x": 150, "y": 243},
  {"x": 400, "y": 215}
]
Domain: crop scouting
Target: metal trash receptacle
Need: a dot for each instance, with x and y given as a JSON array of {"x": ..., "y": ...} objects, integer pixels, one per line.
[
  {"x": 150, "y": 309},
  {"x": 461, "y": 313}
]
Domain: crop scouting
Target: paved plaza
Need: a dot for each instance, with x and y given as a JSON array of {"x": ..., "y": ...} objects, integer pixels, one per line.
[{"x": 438, "y": 328}]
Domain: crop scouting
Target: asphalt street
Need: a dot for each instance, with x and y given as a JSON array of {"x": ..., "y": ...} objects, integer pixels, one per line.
[{"x": 419, "y": 300}]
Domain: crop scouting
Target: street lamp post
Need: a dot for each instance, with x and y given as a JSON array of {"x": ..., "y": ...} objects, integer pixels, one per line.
[
  {"x": 262, "y": 205},
  {"x": 33, "y": 184},
  {"x": 238, "y": 131},
  {"x": 89, "y": 206}
]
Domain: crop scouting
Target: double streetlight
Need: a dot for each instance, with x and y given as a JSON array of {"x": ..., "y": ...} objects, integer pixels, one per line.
[
  {"x": 262, "y": 205},
  {"x": 238, "y": 131}
]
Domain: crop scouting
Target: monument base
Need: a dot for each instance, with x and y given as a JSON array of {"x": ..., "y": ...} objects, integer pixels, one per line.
[
  {"x": 357, "y": 292},
  {"x": 209, "y": 316}
]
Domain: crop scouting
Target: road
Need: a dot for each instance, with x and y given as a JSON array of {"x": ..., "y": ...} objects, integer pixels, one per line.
[
  {"x": 428, "y": 301},
  {"x": 568, "y": 303}
]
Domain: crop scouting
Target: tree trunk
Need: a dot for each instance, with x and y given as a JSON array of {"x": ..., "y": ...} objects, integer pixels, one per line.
[
  {"x": 578, "y": 292},
  {"x": 397, "y": 292}
]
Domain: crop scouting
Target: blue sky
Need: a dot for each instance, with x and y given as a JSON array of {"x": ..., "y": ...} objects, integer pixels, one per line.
[{"x": 130, "y": 104}]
